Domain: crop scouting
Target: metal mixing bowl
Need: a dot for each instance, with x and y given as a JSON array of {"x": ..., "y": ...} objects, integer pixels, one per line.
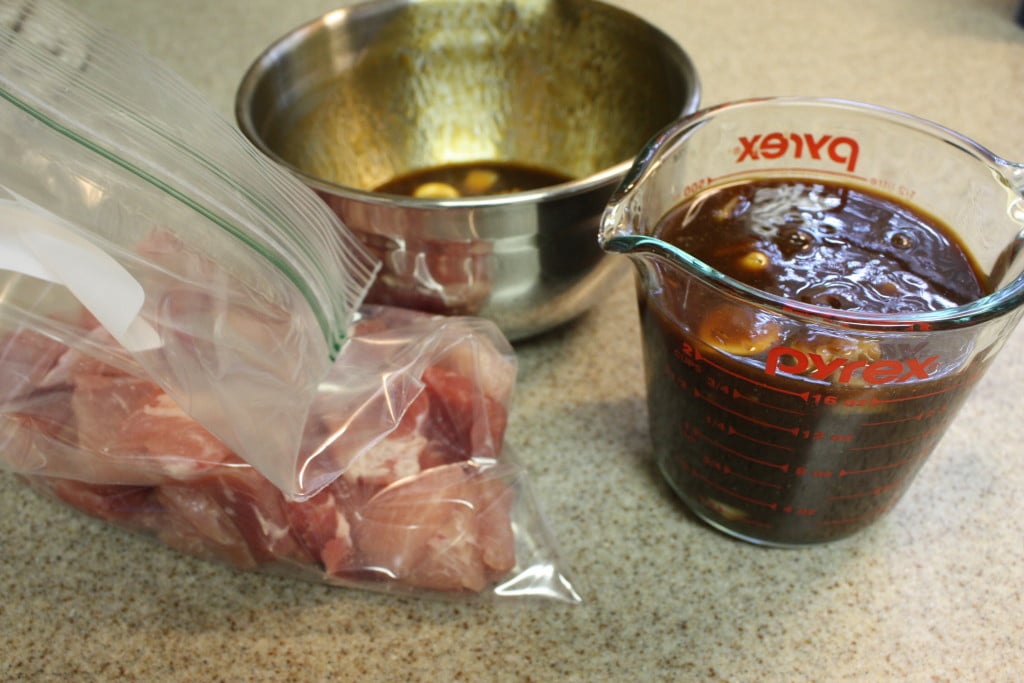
[{"x": 379, "y": 89}]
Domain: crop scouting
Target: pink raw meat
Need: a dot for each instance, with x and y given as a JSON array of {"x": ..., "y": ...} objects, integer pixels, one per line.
[
  {"x": 412, "y": 509},
  {"x": 160, "y": 428},
  {"x": 322, "y": 528},
  {"x": 445, "y": 529},
  {"x": 131, "y": 432},
  {"x": 25, "y": 359},
  {"x": 469, "y": 423},
  {"x": 103, "y": 403},
  {"x": 398, "y": 455},
  {"x": 128, "y": 506},
  {"x": 75, "y": 362},
  {"x": 237, "y": 516},
  {"x": 193, "y": 521}
]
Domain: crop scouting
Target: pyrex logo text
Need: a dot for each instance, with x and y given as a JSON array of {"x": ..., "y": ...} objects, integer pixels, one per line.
[
  {"x": 842, "y": 150},
  {"x": 796, "y": 362}
]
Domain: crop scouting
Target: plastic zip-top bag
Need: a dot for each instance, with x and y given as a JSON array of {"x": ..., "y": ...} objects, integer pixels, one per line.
[
  {"x": 183, "y": 351},
  {"x": 224, "y": 280}
]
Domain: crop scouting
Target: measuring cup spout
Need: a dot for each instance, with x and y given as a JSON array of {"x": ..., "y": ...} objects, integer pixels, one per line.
[
  {"x": 1011, "y": 171},
  {"x": 616, "y": 227},
  {"x": 632, "y": 211},
  {"x": 623, "y": 232},
  {"x": 1014, "y": 173},
  {"x": 640, "y": 248}
]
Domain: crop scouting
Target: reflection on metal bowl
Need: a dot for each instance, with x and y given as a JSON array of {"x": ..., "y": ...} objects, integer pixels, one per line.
[{"x": 383, "y": 88}]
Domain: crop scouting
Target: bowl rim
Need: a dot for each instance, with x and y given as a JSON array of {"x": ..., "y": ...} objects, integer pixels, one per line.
[{"x": 610, "y": 175}]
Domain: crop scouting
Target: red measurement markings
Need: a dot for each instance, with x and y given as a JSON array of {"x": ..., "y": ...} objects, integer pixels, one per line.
[
  {"x": 902, "y": 442},
  {"x": 697, "y": 356},
  {"x": 730, "y": 472},
  {"x": 923, "y": 415},
  {"x": 701, "y": 435},
  {"x": 760, "y": 482},
  {"x": 737, "y": 394},
  {"x": 875, "y": 401},
  {"x": 732, "y": 431},
  {"x": 671, "y": 373},
  {"x": 696, "y": 474},
  {"x": 736, "y": 413},
  {"x": 854, "y": 520},
  {"x": 882, "y": 468},
  {"x": 687, "y": 432},
  {"x": 877, "y": 491}
]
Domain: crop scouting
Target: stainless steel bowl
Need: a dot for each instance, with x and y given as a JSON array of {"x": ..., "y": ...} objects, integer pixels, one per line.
[{"x": 382, "y": 88}]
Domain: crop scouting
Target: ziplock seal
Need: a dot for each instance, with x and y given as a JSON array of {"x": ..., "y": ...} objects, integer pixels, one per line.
[
  {"x": 334, "y": 339},
  {"x": 127, "y": 108}
]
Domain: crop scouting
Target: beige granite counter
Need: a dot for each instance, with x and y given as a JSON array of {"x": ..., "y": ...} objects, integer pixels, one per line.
[{"x": 934, "y": 592}]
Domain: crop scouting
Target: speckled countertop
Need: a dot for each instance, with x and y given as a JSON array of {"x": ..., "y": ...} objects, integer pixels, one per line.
[{"x": 934, "y": 592}]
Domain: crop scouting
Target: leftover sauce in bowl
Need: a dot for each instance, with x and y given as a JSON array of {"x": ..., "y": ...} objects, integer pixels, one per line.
[{"x": 472, "y": 179}]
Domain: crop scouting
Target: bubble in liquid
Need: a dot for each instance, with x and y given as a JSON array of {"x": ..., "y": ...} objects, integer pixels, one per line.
[
  {"x": 795, "y": 242},
  {"x": 901, "y": 240}
]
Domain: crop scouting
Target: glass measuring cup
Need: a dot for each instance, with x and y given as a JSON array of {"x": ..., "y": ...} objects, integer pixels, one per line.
[{"x": 804, "y": 423}]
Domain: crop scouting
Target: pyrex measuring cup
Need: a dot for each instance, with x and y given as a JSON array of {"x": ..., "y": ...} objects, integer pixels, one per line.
[{"x": 787, "y": 423}]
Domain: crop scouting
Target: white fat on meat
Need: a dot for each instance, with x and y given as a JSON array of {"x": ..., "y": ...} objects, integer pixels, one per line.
[{"x": 392, "y": 459}]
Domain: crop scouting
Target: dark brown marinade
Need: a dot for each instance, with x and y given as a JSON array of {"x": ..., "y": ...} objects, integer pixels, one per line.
[{"x": 788, "y": 457}]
